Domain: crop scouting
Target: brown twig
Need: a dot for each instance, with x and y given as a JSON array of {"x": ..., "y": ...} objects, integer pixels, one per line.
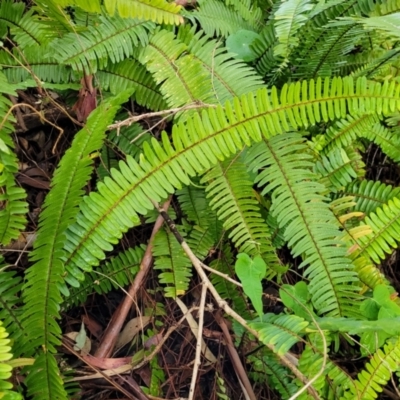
[
  {"x": 129, "y": 121},
  {"x": 237, "y": 363},
  {"x": 107, "y": 344},
  {"x": 20, "y": 118}
]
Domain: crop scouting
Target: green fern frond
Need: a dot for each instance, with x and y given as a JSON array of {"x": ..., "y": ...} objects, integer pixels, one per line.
[
  {"x": 385, "y": 225},
  {"x": 13, "y": 207},
  {"x": 215, "y": 18},
  {"x": 289, "y": 18},
  {"x": 24, "y": 28},
  {"x": 231, "y": 195},
  {"x": 332, "y": 383},
  {"x": 180, "y": 84},
  {"x": 130, "y": 74},
  {"x": 173, "y": 263},
  {"x": 19, "y": 67},
  {"x": 155, "y": 10},
  {"x": 281, "y": 331},
  {"x": 229, "y": 77},
  {"x": 376, "y": 373},
  {"x": 263, "y": 47},
  {"x": 45, "y": 278},
  {"x": 310, "y": 231},
  {"x": 267, "y": 369},
  {"x": 197, "y": 145},
  {"x": 337, "y": 170},
  {"x": 247, "y": 10},
  {"x": 10, "y": 312},
  {"x": 5, "y": 369},
  {"x": 118, "y": 272},
  {"x": 388, "y": 24},
  {"x": 113, "y": 39},
  {"x": 369, "y": 195}
]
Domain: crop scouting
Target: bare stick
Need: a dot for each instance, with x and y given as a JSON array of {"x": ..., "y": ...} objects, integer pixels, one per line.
[
  {"x": 129, "y": 121},
  {"x": 114, "y": 327},
  {"x": 197, "y": 360},
  {"x": 287, "y": 360}
]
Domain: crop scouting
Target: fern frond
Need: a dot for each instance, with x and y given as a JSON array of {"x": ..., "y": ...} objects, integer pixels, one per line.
[
  {"x": 13, "y": 207},
  {"x": 215, "y": 18},
  {"x": 267, "y": 369},
  {"x": 231, "y": 194},
  {"x": 10, "y": 312},
  {"x": 310, "y": 230},
  {"x": 114, "y": 39},
  {"x": 180, "y": 84},
  {"x": 206, "y": 229},
  {"x": 281, "y": 331},
  {"x": 117, "y": 77},
  {"x": 389, "y": 24},
  {"x": 369, "y": 195},
  {"x": 199, "y": 143},
  {"x": 44, "y": 279},
  {"x": 155, "y": 10},
  {"x": 377, "y": 372},
  {"x": 337, "y": 170},
  {"x": 247, "y": 10},
  {"x": 385, "y": 225},
  {"x": 24, "y": 28},
  {"x": 173, "y": 263},
  {"x": 263, "y": 47},
  {"x": 229, "y": 77},
  {"x": 118, "y": 272},
  {"x": 5, "y": 369},
  {"x": 290, "y": 16}
]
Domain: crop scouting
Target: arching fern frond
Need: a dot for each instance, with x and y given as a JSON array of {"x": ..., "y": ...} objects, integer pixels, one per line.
[
  {"x": 229, "y": 77},
  {"x": 369, "y": 195},
  {"x": 180, "y": 84},
  {"x": 155, "y": 10},
  {"x": 173, "y": 263},
  {"x": 215, "y": 18},
  {"x": 24, "y": 28},
  {"x": 10, "y": 312},
  {"x": 231, "y": 195},
  {"x": 309, "y": 224},
  {"x": 376, "y": 373},
  {"x": 281, "y": 331},
  {"x": 13, "y": 207},
  {"x": 337, "y": 169},
  {"x": 114, "y": 39},
  {"x": 290, "y": 16},
  {"x": 199, "y": 143},
  {"x": 118, "y": 272},
  {"x": 117, "y": 77},
  {"x": 47, "y": 273},
  {"x": 5, "y": 369}
]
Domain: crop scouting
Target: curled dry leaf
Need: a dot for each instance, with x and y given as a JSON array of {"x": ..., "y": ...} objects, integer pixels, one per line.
[{"x": 131, "y": 329}]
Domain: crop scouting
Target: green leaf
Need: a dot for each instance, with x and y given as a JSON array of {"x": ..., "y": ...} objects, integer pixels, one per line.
[
  {"x": 250, "y": 273},
  {"x": 240, "y": 43}
]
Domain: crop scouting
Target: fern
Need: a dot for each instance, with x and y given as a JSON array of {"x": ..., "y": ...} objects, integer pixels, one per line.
[
  {"x": 47, "y": 272},
  {"x": 155, "y": 10},
  {"x": 198, "y": 144},
  {"x": 231, "y": 192},
  {"x": 308, "y": 222},
  {"x": 5, "y": 369},
  {"x": 377, "y": 372},
  {"x": 118, "y": 271},
  {"x": 173, "y": 262},
  {"x": 13, "y": 206},
  {"x": 113, "y": 39}
]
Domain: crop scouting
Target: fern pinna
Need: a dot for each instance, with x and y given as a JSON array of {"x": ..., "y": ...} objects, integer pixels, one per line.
[{"x": 267, "y": 159}]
